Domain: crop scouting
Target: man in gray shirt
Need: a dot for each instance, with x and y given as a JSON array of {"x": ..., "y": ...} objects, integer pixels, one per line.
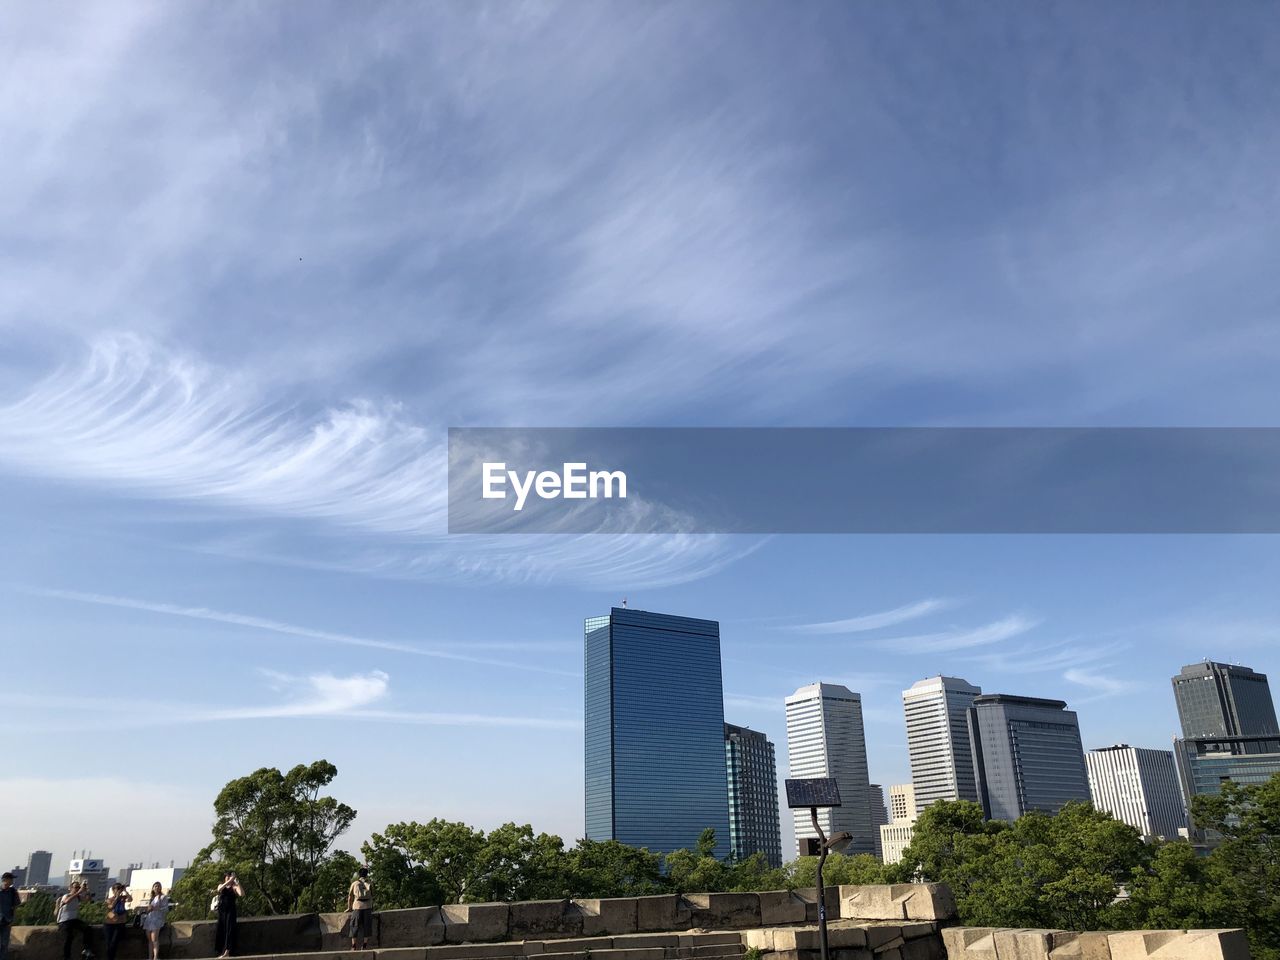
[{"x": 69, "y": 922}]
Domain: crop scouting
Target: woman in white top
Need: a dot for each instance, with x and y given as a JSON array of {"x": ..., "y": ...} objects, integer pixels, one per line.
[{"x": 157, "y": 908}]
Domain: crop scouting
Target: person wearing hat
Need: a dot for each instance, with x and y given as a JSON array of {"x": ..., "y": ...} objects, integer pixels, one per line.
[
  {"x": 8, "y": 908},
  {"x": 360, "y": 909}
]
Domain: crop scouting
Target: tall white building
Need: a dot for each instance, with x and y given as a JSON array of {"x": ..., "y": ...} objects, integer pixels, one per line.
[
  {"x": 1138, "y": 786},
  {"x": 938, "y": 739},
  {"x": 895, "y": 836},
  {"x": 825, "y": 738}
]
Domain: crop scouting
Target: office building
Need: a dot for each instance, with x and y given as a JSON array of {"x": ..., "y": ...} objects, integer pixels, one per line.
[
  {"x": 38, "y": 864},
  {"x": 936, "y": 711},
  {"x": 1224, "y": 700},
  {"x": 825, "y": 738},
  {"x": 1027, "y": 755},
  {"x": 895, "y": 836},
  {"x": 92, "y": 872},
  {"x": 879, "y": 815},
  {"x": 753, "y": 795},
  {"x": 1139, "y": 787},
  {"x": 1205, "y": 762},
  {"x": 654, "y": 731},
  {"x": 902, "y": 803}
]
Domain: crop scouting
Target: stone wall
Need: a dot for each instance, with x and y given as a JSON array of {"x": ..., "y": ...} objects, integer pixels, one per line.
[
  {"x": 987, "y": 943},
  {"x": 884, "y": 922}
]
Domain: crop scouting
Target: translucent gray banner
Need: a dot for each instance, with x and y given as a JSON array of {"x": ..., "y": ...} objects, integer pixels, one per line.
[{"x": 864, "y": 480}]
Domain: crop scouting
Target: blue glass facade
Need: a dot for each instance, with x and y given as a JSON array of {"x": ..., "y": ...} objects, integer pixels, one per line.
[{"x": 654, "y": 731}]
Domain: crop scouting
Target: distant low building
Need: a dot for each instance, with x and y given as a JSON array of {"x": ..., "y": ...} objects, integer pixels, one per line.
[
  {"x": 141, "y": 879},
  {"x": 92, "y": 872},
  {"x": 896, "y": 835}
]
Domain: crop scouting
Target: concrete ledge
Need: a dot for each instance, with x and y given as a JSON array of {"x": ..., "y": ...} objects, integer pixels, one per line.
[
  {"x": 534, "y": 919},
  {"x": 1179, "y": 945},
  {"x": 985, "y": 943},
  {"x": 665, "y": 912},
  {"x": 898, "y": 901},
  {"x": 715, "y": 911}
]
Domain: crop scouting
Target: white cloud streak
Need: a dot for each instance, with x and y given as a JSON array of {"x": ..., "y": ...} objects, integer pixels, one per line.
[
  {"x": 875, "y": 621},
  {"x": 961, "y": 639},
  {"x": 288, "y": 629},
  {"x": 136, "y": 419}
]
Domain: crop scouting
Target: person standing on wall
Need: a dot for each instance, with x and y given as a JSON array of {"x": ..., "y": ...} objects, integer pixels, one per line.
[
  {"x": 116, "y": 919},
  {"x": 69, "y": 922},
  {"x": 153, "y": 922},
  {"x": 360, "y": 909},
  {"x": 8, "y": 907},
  {"x": 228, "y": 892}
]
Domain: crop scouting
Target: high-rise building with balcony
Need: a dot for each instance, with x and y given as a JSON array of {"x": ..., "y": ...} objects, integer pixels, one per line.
[{"x": 654, "y": 731}]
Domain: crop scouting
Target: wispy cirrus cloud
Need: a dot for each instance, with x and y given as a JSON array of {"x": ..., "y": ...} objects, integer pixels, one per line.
[
  {"x": 875, "y": 621},
  {"x": 251, "y": 622},
  {"x": 1047, "y": 657},
  {"x": 961, "y": 638},
  {"x": 142, "y": 421},
  {"x": 1102, "y": 685},
  {"x": 315, "y": 696}
]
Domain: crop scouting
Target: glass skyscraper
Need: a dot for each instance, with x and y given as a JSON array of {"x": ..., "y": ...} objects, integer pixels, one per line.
[
  {"x": 1027, "y": 755},
  {"x": 654, "y": 725},
  {"x": 1224, "y": 700},
  {"x": 753, "y": 795}
]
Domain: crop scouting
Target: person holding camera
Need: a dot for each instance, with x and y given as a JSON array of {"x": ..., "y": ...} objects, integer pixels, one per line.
[
  {"x": 116, "y": 920},
  {"x": 227, "y": 893},
  {"x": 8, "y": 908},
  {"x": 153, "y": 921},
  {"x": 360, "y": 909},
  {"x": 69, "y": 922}
]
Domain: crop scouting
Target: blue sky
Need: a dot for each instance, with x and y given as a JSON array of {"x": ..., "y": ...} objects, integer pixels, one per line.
[{"x": 255, "y": 260}]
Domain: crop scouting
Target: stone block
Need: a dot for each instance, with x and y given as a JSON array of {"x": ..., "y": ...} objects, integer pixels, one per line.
[
  {"x": 1072, "y": 945},
  {"x": 666, "y": 912},
  {"x": 874, "y": 901},
  {"x": 715, "y": 911},
  {"x": 188, "y": 939},
  {"x": 1022, "y": 944},
  {"x": 288, "y": 933},
  {"x": 615, "y": 915},
  {"x": 1179, "y": 945},
  {"x": 760, "y": 939},
  {"x": 781, "y": 906},
  {"x": 402, "y": 953},
  {"x": 931, "y": 901},
  {"x": 919, "y": 928},
  {"x": 646, "y": 940},
  {"x": 475, "y": 922},
  {"x": 810, "y": 897},
  {"x": 709, "y": 939},
  {"x": 924, "y": 948},
  {"x": 413, "y": 927},
  {"x": 795, "y": 939},
  {"x": 544, "y": 919},
  {"x": 852, "y": 953},
  {"x": 575, "y": 945},
  {"x": 847, "y": 937},
  {"x": 475, "y": 951},
  {"x": 969, "y": 943},
  {"x": 882, "y": 936}
]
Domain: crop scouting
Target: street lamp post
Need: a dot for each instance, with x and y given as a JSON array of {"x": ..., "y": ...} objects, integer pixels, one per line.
[{"x": 815, "y": 793}]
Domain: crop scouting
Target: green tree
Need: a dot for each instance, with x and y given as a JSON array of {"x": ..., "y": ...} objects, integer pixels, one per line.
[
  {"x": 839, "y": 869},
  {"x": 754, "y": 874},
  {"x": 439, "y": 857},
  {"x": 1180, "y": 888},
  {"x": 607, "y": 868},
  {"x": 402, "y": 880},
  {"x": 1246, "y": 862},
  {"x": 515, "y": 864},
  {"x": 1058, "y": 871},
  {"x": 38, "y": 911},
  {"x": 276, "y": 831}
]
